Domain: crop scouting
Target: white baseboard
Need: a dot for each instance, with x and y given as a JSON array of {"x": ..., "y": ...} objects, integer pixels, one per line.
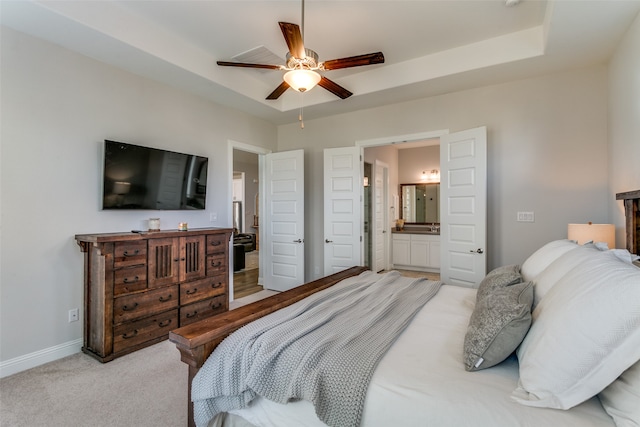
[{"x": 40, "y": 357}]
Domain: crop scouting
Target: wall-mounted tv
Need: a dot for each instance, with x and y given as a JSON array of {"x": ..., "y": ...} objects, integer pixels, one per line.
[{"x": 136, "y": 177}]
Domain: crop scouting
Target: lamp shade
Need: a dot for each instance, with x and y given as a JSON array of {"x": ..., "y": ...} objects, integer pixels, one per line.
[
  {"x": 121, "y": 187},
  {"x": 302, "y": 80},
  {"x": 584, "y": 233}
]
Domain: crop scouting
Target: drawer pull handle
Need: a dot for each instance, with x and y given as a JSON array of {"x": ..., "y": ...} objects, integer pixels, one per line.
[
  {"x": 136, "y": 252},
  {"x": 216, "y": 264},
  {"x": 163, "y": 299},
  {"x": 127, "y": 308},
  {"x": 135, "y": 279},
  {"x": 133, "y": 334},
  {"x": 216, "y": 285},
  {"x": 176, "y": 259},
  {"x": 216, "y": 306},
  {"x": 164, "y": 323},
  {"x": 216, "y": 243},
  {"x": 190, "y": 315},
  {"x": 191, "y": 291}
]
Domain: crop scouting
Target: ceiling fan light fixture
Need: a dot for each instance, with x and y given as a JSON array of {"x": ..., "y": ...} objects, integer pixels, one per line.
[{"x": 302, "y": 80}]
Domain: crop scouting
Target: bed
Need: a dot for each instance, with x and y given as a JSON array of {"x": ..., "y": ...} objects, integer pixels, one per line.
[{"x": 554, "y": 341}]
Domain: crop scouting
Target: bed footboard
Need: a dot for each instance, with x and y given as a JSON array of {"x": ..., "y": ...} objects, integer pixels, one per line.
[{"x": 198, "y": 340}]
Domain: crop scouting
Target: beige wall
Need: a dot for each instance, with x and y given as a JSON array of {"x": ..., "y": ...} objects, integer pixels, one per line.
[
  {"x": 559, "y": 145},
  {"x": 547, "y": 153},
  {"x": 624, "y": 123},
  {"x": 57, "y": 108}
]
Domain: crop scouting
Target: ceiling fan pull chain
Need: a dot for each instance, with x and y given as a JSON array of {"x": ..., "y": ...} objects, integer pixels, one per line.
[{"x": 300, "y": 115}]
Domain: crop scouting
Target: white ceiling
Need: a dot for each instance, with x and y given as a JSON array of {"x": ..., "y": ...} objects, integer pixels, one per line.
[{"x": 430, "y": 47}]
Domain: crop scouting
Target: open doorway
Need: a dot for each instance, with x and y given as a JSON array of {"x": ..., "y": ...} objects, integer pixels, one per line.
[
  {"x": 246, "y": 223},
  {"x": 405, "y": 160}
]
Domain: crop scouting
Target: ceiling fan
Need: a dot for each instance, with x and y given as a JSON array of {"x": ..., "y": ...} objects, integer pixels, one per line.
[{"x": 302, "y": 65}]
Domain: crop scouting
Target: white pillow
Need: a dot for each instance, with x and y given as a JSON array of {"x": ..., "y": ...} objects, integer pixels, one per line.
[
  {"x": 621, "y": 399},
  {"x": 544, "y": 256},
  {"x": 558, "y": 268},
  {"x": 585, "y": 333}
]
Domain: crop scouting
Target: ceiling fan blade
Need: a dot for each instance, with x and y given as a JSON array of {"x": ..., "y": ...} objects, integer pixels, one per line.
[
  {"x": 279, "y": 91},
  {"x": 354, "y": 61},
  {"x": 293, "y": 37},
  {"x": 247, "y": 65},
  {"x": 334, "y": 88}
]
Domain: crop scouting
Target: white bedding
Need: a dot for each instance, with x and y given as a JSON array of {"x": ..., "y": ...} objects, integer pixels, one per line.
[{"x": 421, "y": 381}]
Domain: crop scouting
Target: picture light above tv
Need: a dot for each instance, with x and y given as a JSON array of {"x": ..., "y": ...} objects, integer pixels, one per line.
[{"x": 136, "y": 177}]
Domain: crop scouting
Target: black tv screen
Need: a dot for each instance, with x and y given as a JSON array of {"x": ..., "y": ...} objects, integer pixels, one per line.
[{"x": 137, "y": 177}]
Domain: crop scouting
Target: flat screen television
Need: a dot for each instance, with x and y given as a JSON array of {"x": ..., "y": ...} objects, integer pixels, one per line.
[{"x": 136, "y": 177}]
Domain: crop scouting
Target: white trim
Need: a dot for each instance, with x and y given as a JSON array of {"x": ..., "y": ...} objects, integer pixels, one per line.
[
  {"x": 40, "y": 357},
  {"x": 398, "y": 139}
]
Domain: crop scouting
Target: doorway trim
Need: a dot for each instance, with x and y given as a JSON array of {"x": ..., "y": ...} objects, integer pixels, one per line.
[{"x": 261, "y": 152}]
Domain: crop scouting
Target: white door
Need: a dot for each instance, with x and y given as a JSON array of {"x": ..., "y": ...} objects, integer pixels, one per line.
[
  {"x": 284, "y": 220},
  {"x": 463, "y": 219},
  {"x": 380, "y": 220},
  {"x": 343, "y": 221}
]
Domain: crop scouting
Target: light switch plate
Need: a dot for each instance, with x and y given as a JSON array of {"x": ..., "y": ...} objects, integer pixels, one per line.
[{"x": 526, "y": 217}]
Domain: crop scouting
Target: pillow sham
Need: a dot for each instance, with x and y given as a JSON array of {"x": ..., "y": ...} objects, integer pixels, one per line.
[
  {"x": 498, "y": 323},
  {"x": 585, "y": 332},
  {"x": 558, "y": 268},
  {"x": 544, "y": 256},
  {"x": 502, "y": 276},
  {"x": 621, "y": 399}
]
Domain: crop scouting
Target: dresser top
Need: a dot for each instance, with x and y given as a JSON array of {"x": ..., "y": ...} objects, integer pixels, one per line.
[{"x": 143, "y": 235}]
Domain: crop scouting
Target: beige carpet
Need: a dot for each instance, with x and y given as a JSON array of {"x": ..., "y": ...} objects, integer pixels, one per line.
[{"x": 145, "y": 388}]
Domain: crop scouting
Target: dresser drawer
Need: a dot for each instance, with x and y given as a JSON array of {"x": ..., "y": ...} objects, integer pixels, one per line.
[
  {"x": 139, "y": 305},
  {"x": 203, "y": 309},
  {"x": 127, "y": 280},
  {"x": 133, "y": 333},
  {"x": 197, "y": 290},
  {"x": 216, "y": 264},
  {"x": 130, "y": 253},
  {"x": 217, "y": 243}
]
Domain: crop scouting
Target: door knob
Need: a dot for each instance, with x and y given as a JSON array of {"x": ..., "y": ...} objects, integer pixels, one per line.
[
  {"x": 298, "y": 241},
  {"x": 328, "y": 241},
  {"x": 479, "y": 250}
]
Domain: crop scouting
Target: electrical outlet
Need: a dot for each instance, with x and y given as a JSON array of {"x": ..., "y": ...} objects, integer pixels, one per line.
[
  {"x": 73, "y": 315},
  {"x": 213, "y": 216},
  {"x": 526, "y": 217}
]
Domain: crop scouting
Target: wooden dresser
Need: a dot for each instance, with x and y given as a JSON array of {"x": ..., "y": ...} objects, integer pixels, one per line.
[{"x": 140, "y": 286}]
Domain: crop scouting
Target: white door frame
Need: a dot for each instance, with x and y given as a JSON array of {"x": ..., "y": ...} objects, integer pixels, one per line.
[{"x": 261, "y": 152}]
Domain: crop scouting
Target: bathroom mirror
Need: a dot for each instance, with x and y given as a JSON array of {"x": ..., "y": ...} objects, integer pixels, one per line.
[{"x": 420, "y": 203}]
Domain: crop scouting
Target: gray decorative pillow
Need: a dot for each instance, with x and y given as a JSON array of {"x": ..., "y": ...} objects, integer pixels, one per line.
[
  {"x": 498, "y": 325},
  {"x": 500, "y": 277}
]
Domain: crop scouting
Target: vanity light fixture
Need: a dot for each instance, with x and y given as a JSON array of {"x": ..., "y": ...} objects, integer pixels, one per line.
[{"x": 433, "y": 175}]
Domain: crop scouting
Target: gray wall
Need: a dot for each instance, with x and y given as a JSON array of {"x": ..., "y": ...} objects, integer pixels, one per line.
[
  {"x": 559, "y": 145},
  {"x": 547, "y": 153},
  {"x": 57, "y": 108}
]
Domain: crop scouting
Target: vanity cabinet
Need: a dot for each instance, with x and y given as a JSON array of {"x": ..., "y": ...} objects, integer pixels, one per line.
[
  {"x": 416, "y": 251},
  {"x": 140, "y": 286}
]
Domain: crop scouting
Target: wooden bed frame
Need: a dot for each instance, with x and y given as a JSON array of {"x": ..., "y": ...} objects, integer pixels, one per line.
[{"x": 198, "y": 340}]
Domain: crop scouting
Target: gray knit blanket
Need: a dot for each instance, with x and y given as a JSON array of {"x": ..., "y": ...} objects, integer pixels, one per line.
[{"x": 322, "y": 349}]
